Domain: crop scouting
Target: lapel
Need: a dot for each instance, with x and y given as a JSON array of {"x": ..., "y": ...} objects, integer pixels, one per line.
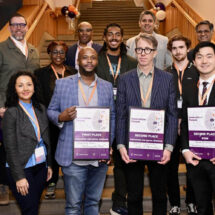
[
  {"x": 11, "y": 45},
  {"x": 156, "y": 85},
  {"x": 30, "y": 52},
  {"x": 100, "y": 93},
  {"x": 211, "y": 101},
  {"x": 73, "y": 95},
  {"x": 42, "y": 122},
  {"x": 136, "y": 86}
]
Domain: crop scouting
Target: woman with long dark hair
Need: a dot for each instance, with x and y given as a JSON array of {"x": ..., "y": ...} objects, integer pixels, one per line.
[{"x": 26, "y": 141}]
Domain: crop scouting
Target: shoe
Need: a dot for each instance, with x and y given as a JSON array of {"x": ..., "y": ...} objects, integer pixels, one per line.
[
  {"x": 118, "y": 211},
  {"x": 50, "y": 192},
  {"x": 175, "y": 210},
  {"x": 191, "y": 209},
  {"x": 4, "y": 195}
]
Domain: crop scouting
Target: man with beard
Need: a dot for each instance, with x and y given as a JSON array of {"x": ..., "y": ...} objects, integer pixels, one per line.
[
  {"x": 85, "y": 33},
  {"x": 113, "y": 61},
  {"x": 15, "y": 55},
  {"x": 185, "y": 74},
  {"x": 81, "y": 178},
  {"x": 204, "y": 32},
  {"x": 147, "y": 24}
]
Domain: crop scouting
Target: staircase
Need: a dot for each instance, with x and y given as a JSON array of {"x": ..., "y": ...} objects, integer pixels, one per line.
[{"x": 123, "y": 12}]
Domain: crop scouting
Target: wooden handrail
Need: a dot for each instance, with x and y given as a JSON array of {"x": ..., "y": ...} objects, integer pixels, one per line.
[
  {"x": 36, "y": 21},
  {"x": 77, "y": 5},
  {"x": 192, "y": 22},
  {"x": 152, "y": 3}
]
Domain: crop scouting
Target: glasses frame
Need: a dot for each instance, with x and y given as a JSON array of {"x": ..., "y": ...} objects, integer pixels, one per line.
[{"x": 144, "y": 50}]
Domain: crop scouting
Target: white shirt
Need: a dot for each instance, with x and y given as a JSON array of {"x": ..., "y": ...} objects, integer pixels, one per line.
[{"x": 21, "y": 46}]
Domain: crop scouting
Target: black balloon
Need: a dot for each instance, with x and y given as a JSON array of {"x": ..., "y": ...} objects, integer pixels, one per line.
[
  {"x": 71, "y": 14},
  {"x": 160, "y": 5},
  {"x": 64, "y": 10}
]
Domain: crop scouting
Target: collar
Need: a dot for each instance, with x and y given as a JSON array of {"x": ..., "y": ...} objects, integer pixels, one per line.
[
  {"x": 18, "y": 43},
  {"x": 140, "y": 73},
  {"x": 209, "y": 80},
  {"x": 188, "y": 66},
  {"x": 89, "y": 44},
  {"x": 92, "y": 84}
]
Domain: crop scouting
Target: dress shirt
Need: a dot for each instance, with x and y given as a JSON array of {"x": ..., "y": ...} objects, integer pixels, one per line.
[{"x": 21, "y": 46}]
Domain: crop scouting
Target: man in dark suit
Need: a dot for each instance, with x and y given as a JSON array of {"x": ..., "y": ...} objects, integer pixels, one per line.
[
  {"x": 152, "y": 88},
  {"x": 85, "y": 33},
  {"x": 184, "y": 73},
  {"x": 200, "y": 171}
]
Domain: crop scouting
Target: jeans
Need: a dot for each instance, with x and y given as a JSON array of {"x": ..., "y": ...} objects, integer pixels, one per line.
[{"x": 83, "y": 184}]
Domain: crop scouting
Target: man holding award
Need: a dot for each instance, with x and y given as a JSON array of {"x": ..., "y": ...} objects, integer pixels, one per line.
[
  {"x": 83, "y": 107},
  {"x": 146, "y": 126},
  {"x": 198, "y": 128}
]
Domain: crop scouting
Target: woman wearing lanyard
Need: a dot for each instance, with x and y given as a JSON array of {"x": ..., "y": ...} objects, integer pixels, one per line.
[
  {"x": 26, "y": 141},
  {"x": 47, "y": 77}
]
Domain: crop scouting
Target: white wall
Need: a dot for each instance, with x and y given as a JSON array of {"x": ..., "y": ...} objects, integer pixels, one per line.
[{"x": 205, "y": 8}]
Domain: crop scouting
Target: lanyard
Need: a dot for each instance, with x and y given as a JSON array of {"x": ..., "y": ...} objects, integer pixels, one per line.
[
  {"x": 180, "y": 79},
  {"x": 111, "y": 68},
  {"x": 34, "y": 120},
  {"x": 201, "y": 100},
  {"x": 83, "y": 94},
  {"x": 55, "y": 72},
  {"x": 144, "y": 100}
]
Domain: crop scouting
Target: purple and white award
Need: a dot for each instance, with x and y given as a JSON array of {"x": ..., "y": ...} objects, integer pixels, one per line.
[
  {"x": 201, "y": 126},
  {"x": 91, "y": 133},
  {"x": 146, "y": 134}
]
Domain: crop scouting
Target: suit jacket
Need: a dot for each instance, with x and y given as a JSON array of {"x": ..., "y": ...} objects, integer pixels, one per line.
[
  {"x": 20, "y": 139},
  {"x": 163, "y": 96},
  {"x": 70, "y": 56},
  {"x": 163, "y": 58},
  {"x": 12, "y": 60},
  {"x": 66, "y": 95},
  {"x": 190, "y": 99},
  {"x": 103, "y": 70}
]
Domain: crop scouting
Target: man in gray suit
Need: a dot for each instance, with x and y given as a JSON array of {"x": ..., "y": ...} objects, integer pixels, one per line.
[
  {"x": 147, "y": 23},
  {"x": 15, "y": 55}
]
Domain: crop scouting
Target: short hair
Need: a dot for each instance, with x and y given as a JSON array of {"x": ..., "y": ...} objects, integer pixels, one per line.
[
  {"x": 203, "y": 45},
  {"x": 113, "y": 25},
  {"x": 205, "y": 22},
  {"x": 56, "y": 43},
  {"x": 16, "y": 15},
  {"x": 149, "y": 38},
  {"x": 12, "y": 98},
  {"x": 147, "y": 12},
  {"x": 178, "y": 38}
]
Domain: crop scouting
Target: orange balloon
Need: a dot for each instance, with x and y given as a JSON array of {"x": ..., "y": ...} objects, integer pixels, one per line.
[{"x": 73, "y": 9}]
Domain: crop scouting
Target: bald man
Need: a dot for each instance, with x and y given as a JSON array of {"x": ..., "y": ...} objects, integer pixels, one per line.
[
  {"x": 85, "y": 33},
  {"x": 81, "y": 177}
]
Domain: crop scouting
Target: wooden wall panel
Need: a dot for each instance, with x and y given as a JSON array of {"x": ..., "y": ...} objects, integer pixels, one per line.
[{"x": 33, "y": 2}]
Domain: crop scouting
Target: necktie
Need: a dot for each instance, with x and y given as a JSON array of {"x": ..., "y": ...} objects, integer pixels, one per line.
[{"x": 204, "y": 91}]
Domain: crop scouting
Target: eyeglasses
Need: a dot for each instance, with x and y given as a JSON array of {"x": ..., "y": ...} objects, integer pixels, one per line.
[
  {"x": 146, "y": 50},
  {"x": 16, "y": 25},
  {"x": 58, "y": 52},
  {"x": 205, "y": 32},
  {"x": 84, "y": 30}
]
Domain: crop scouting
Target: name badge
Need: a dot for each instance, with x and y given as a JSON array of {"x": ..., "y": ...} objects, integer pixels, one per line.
[
  {"x": 114, "y": 92},
  {"x": 179, "y": 103},
  {"x": 40, "y": 155}
]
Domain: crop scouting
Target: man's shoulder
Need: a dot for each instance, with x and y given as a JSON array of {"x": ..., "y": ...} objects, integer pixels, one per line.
[
  {"x": 128, "y": 74},
  {"x": 163, "y": 73},
  {"x": 130, "y": 59},
  {"x": 72, "y": 47},
  {"x": 4, "y": 44},
  {"x": 161, "y": 37},
  {"x": 69, "y": 80},
  {"x": 104, "y": 82}
]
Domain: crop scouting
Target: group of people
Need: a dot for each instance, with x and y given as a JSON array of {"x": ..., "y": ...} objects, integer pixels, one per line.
[{"x": 38, "y": 108}]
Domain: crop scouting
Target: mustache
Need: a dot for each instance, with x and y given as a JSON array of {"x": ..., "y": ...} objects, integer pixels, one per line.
[{"x": 114, "y": 40}]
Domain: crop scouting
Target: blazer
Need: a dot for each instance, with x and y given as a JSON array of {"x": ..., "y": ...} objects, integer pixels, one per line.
[
  {"x": 44, "y": 77},
  {"x": 12, "y": 60},
  {"x": 163, "y": 58},
  {"x": 103, "y": 70},
  {"x": 163, "y": 96},
  {"x": 70, "y": 56},
  {"x": 190, "y": 99},
  {"x": 20, "y": 139},
  {"x": 66, "y": 95}
]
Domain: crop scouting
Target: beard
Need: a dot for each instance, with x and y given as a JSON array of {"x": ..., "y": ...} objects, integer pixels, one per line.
[
  {"x": 179, "y": 59},
  {"x": 86, "y": 73}
]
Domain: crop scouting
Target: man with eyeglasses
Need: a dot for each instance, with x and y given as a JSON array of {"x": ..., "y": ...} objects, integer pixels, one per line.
[
  {"x": 146, "y": 87},
  {"x": 15, "y": 55},
  {"x": 147, "y": 24},
  {"x": 85, "y": 33},
  {"x": 204, "y": 32}
]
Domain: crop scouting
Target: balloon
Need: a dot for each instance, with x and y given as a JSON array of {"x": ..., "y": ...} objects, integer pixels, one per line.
[
  {"x": 73, "y": 9},
  {"x": 64, "y": 10},
  {"x": 160, "y": 5},
  {"x": 161, "y": 15},
  {"x": 71, "y": 14}
]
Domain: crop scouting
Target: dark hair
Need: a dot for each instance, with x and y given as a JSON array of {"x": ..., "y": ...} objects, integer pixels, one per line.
[
  {"x": 56, "y": 43},
  {"x": 205, "y": 22},
  {"x": 202, "y": 45},
  {"x": 147, "y": 12},
  {"x": 16, "y": 15},
  {"x": 178, "y": 38},
  {"x": 11, "y": 95},
  {"x": 123, "y": 49}
]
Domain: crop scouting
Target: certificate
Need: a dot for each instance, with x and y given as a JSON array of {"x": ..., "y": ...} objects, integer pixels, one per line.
[
  {"x": 201, "y": 126},
  {"x": 146, "y": 134},
  {"x": 91, "y": 133}
]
